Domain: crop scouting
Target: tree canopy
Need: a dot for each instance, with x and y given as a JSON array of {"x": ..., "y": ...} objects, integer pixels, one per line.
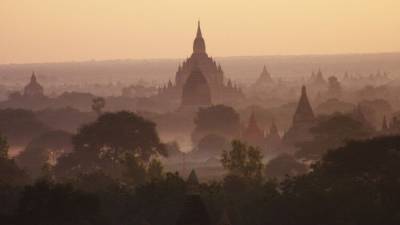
[
  {"x": 243, "y": 160},
  {"x": 332, "y": 132},
  {"x": 219, "y": 119},
  {"x": 106, "y": 143}
]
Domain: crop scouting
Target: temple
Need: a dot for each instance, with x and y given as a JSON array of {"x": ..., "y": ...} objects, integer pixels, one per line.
[
  {"x": 265, "y": 77},
  {"x": 253, "y": 135},
  {"x": 273, "y": 139},
  {"x": 221, "y": 89},
  {"x": 33, "y": 89},
  {"x": 303, "y": 120},
  {"x": 318, "y": 79},
  {"x": 195, "y": 91}
]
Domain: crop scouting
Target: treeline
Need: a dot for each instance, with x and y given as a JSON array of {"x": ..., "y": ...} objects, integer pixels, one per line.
[{"x": 112, "y": 176}]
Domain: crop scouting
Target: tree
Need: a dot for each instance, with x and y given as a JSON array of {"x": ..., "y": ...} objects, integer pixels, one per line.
[
  {"x": 334, "y": 87},
  {"x": 46, "y": 148},
  {"x": 330, "y": 133},
  {"x": 135, "y": 172},
  {"x": 243, "y": 160},
  {"x": 3, "y": 147},
  {"x": 20, "y": 126},
  {"x": 49, "y": 203},
  {"x": 357, "y": 183},
  {"x": 158, "y": 201},
  {"x": 210, "y": 146},
  {"x": 219, "y": 119},
  {"x": 10, "y": 173},
  {"x": 112, "y": 142},
  {"x": 284, "y": 165},
  {"x": 98, "y": 104},
  {"x": 155, "y": 170}
]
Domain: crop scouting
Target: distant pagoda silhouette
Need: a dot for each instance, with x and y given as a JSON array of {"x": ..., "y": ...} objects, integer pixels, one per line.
[
  {"x": 303, "y": 120},
  {"x": 253, "y": 135},
  {"x": 273, "y": 139},
  {"x": 33, "y": 89},
  {"x": 317, "y": 79},
  {"x": 265, "y": 77},
  {"x": 221, "y": 89}
]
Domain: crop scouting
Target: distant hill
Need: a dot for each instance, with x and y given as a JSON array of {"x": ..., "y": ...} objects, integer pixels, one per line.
[{"x": 243, "y": 69}]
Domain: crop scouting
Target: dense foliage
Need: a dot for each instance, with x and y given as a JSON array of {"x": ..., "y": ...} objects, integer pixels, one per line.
[{"x": 356, "y": 183}]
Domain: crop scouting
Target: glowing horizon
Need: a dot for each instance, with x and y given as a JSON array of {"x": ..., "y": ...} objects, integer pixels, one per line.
[{"x": 54, "y": 31}]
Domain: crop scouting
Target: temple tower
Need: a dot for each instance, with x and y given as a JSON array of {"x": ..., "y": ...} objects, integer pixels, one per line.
[
  {"x": 253, "y": 135},
  {"x": 196, "y": 91},
  {"x": 304, "y": 113},
  {"x": 33, "y": 89},
  {"x": 199, "y": 45},
  {"x": 303, "y": 120},
  {"x": 265, "y": 76},
  {"x": 273, "y": 139}
]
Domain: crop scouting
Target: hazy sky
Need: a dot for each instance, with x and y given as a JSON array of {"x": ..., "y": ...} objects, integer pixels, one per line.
[{"x": 65, "y": 30}]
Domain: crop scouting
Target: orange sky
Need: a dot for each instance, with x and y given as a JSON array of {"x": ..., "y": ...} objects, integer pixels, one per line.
[{"x": 65, "y": 30}]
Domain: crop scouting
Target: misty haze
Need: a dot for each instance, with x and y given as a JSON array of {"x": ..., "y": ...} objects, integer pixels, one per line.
[{"x": 138, "y": 113}]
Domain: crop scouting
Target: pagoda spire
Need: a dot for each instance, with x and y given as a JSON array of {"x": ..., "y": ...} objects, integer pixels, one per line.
[
  {"x": 304, "y": 112},
  {"x": 199, "y": 45},
  {"x": 252, "y": 127},
  {"x": 33, "y": 77},
  {"x": 199, "y": 35},
  {"x": 265, "y": 77},
  {"x": 253, "y": 135}
]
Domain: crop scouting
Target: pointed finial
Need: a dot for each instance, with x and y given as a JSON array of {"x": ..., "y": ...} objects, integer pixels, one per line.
[
  {"x": 198, "y": 29},
  {"x": 33, "y": 77},
  {"x": 303, "y": 90}
]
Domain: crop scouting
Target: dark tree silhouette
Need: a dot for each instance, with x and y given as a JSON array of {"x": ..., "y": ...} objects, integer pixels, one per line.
[
  {"x": 243, "y": 160},
  {"x": 219, "y": 119},
  {"x": 46, "y": 148},
  {"x": 106, "y": 143},
  {"x": 284, "y": 165},
  {"x": 98, "y": 104},
  {"x": 354, "y": 184},
  {"x": 10, "y": 173},
  {"x": 20, "y": 126},
  {"x": 332, "y": 132},
  {"x": 210, "y": 146},
  {"x": 47, "y": 203}
]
